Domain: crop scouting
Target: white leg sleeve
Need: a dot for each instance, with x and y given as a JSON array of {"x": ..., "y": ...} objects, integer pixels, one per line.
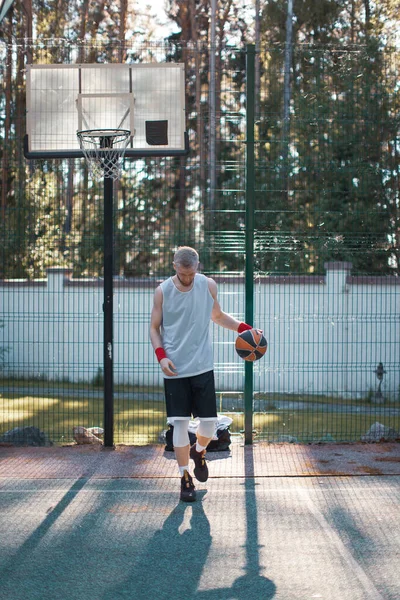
[
  {"x": 180, "y": 437},
  {"x": 206, "y": 428}
]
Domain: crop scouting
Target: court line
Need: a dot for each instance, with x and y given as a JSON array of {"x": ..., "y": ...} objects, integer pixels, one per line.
[
  {"x": 212, "y": 477},
  {"x": 335, "y": 539},
  {"x": 95, "y": 490}
]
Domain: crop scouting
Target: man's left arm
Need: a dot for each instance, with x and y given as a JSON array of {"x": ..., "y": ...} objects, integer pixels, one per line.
[{"x": 219, "y": 317}]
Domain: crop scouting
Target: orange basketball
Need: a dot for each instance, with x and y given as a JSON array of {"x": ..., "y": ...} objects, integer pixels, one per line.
[{"x": 251, "y": 345}]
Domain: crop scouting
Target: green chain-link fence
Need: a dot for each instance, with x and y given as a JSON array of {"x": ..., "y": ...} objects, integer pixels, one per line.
[{"x": 300, "y": 228}]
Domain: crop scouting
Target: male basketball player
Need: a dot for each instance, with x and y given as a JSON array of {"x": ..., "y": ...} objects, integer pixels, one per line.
[{"x": 179, "y": 332}]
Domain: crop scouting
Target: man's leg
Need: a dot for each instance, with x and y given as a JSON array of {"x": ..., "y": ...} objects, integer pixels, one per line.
[
  {"x": 181, "y": 443},
  {"x": 205, "y": 434},
  {"x": 205, "y": 407},
  {"x": 182, "y": 447},
  {"x": 182, "y": 455}
]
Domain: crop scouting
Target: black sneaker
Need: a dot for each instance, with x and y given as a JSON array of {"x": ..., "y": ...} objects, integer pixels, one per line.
[
  {"x": 188, "y": 492},
  {"x": 200, "y": 465}
]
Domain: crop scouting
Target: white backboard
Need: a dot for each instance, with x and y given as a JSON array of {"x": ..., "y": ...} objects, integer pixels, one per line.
[{"x": 147, "y": 99}]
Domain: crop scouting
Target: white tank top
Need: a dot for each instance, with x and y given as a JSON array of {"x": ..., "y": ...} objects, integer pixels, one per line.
[{"x": 185, "y": 328}]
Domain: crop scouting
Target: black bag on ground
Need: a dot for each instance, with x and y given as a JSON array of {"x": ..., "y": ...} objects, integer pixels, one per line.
[{"x": 222, "y": 443}]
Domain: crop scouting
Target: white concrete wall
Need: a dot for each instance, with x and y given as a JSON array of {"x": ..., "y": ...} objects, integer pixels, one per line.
[{"x": 326, "y": 334}]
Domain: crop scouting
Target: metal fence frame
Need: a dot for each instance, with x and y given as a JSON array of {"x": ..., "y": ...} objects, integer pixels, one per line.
[{"x": 248, "y": 242}]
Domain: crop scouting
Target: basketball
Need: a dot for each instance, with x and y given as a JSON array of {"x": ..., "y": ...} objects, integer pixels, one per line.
[{"x": 251, "y": 345}]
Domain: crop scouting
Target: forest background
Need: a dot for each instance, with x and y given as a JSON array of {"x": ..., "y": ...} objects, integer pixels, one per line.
[{"x": 327, "y": 152}]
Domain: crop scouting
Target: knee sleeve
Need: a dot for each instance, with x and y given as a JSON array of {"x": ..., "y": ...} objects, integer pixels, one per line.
[
  {"x": 180, "y": 437},
  {"x": 206, "y": 428}
]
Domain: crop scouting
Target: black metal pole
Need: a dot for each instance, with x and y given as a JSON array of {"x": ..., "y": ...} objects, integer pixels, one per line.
[
  {"x": 108, "y": 313},
  {"x": 249, "y": 267}
]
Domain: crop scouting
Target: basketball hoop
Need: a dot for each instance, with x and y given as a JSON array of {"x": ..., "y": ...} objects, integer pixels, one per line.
[{"x": 104, "y": 150}]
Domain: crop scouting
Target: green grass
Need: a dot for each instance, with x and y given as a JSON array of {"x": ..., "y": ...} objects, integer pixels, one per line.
[
  {"x": 136, "y": 421},
  {"x": 310, "y": 426},
  {"x": 140, "y": 421}
]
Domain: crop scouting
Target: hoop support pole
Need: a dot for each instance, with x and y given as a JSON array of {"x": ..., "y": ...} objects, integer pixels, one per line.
[{"x": 108, "y": 314}]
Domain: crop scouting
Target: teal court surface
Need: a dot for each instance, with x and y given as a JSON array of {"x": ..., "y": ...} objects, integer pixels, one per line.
[{"x": 274, "y": 521}]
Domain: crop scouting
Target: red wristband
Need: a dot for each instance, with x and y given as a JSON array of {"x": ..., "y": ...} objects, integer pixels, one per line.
[
  {"x": 160, "y": 353},
  {"x": 243, "y": 327}
]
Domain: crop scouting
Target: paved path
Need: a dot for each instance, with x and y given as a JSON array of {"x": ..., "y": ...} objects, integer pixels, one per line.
[{"x": 273, "y": 522}]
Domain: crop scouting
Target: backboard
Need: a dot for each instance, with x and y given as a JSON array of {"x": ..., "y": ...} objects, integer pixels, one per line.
[{"x": 147, "y": 99}]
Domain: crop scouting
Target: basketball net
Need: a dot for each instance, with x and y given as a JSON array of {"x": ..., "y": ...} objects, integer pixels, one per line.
[{"x": 104, "y": 150}]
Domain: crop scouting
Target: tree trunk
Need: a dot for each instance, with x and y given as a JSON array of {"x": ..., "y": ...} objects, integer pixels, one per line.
[
  {"x": 82, "y": 31},
  {"x": 352, "y": 21},
  {"x": 96, "y": 19},
  {"x": 20, "y": 104},
  {"x": 286, "y": 100},
  {"x": 257, "y": 65},
  {"x": 27, "y": 6},
  {"x": 7, "y": 121},
  {"x": 198, "y": 84},
  {"x": 212, "y": 113},
  {"x": 122, "y": 30},
  {"x": 367, "y": 9}
]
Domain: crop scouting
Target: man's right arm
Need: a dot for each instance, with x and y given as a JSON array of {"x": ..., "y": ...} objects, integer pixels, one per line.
[
  {"x": 166, "y": 364},
  {"x": 156, "y": 319}
]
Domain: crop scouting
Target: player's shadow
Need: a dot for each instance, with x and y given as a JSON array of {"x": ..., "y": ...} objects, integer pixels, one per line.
[{"x": 172, "y": 562}]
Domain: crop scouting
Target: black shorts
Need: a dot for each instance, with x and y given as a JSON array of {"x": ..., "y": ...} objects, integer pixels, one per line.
[{"x": 191, "y": 396}]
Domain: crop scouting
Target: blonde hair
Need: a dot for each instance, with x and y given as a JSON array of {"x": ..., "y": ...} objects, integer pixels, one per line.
[{"x": 186, "y": 257}]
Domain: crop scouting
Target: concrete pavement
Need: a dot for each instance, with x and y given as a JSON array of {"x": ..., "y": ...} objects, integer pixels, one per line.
[{"x": 284, "y": 522}]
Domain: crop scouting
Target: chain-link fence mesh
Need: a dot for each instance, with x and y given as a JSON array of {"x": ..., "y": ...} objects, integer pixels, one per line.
[{"x": 325, "y": 255}]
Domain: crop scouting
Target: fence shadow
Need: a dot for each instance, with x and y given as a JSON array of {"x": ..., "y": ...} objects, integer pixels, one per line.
[{"x": 252, "y": 585}]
